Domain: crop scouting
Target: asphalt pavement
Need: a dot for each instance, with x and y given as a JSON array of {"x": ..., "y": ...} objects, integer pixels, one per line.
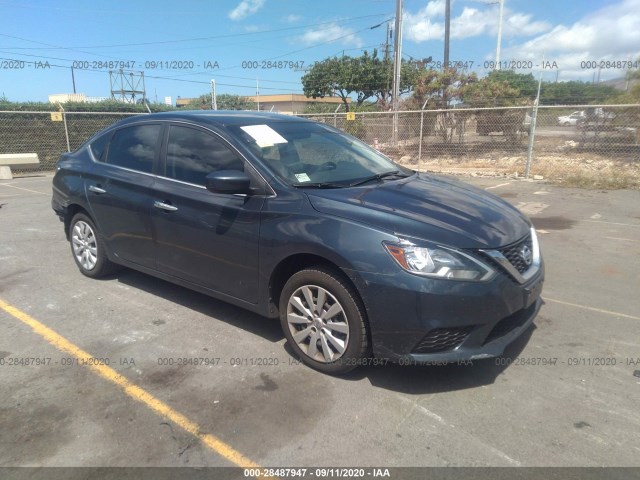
[{"x": 175, "y": 378}]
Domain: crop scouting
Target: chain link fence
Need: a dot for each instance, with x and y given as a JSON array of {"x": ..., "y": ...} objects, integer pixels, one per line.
[
  {"x": 49, "y": 134},
  {"x": 582, "y": 145}
]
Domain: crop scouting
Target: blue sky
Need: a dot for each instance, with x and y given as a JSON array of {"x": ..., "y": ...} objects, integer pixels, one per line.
[{"x": 223, "y": 39}]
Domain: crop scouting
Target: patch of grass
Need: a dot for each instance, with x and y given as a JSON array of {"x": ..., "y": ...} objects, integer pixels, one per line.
[
  {"x": 613, "y": 180},
  {"x": 567, "y": 169}
]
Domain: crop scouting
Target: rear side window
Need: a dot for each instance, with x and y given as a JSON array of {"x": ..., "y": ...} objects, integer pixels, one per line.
[
  {"x": 134, "y": 147},
  {"x": 99, "y": 147},
  {"x": 193, "y": 154}
]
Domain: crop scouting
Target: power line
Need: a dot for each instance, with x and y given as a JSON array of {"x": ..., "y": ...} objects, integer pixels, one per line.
[
  {"x": 103, "y": 71},
  {"x": 298, "y": 50},
  {"x": 167, "y": 78},
  {"x": 195, "y": 39},
  {"x": 206, "y": 72}
]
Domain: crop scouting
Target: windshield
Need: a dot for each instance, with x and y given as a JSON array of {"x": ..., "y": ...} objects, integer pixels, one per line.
[{"x": 312, "y": 155}]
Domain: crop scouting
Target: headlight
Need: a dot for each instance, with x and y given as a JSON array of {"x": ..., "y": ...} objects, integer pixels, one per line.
[{"x": 438, "y": 262}]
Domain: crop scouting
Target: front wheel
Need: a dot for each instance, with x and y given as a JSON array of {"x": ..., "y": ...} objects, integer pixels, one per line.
[
  {"x": 324, "y": 321},
  {"x": 87, "y": 247}
]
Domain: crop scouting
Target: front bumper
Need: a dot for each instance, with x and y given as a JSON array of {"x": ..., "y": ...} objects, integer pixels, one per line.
[{"x": 415, "y": 319}]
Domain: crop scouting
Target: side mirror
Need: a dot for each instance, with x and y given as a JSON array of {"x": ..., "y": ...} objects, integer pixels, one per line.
[{"x": 228, "y": 181}]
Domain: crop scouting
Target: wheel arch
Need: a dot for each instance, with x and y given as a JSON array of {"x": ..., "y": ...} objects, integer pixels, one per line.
[
  {"x": 71, "y": 211},
  {"x": 301, "y": 261},
  {"x": 295, "y": 263}
]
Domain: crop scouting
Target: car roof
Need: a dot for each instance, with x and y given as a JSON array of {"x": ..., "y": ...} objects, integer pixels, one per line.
[{"x": 217, "y": 117}]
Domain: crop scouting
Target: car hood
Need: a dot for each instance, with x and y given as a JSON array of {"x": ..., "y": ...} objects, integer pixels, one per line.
[{"x": 428, "y": 207}]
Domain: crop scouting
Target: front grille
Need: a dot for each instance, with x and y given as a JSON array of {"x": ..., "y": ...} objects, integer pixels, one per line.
[
  {"x": 509, "y": 324},
  {"x": 512, "y": 253},
  {"x": 442, "y": 339}
]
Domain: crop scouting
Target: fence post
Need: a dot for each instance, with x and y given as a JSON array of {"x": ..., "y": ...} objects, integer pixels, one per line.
[
  {"x": 424, "y": 105},
  {"x": 335, "y": 116},
  {"x": 394, "y": 127},
  {"x": 532, "y": 129},
  {"x": 66, "y": 130}
]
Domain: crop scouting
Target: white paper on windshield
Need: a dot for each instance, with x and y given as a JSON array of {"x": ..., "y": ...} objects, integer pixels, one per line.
[
  {"x": 302, "y": 177},
  {"x": 264, "y": 135}
]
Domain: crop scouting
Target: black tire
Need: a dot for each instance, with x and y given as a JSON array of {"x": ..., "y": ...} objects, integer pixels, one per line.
[
  {"x": 330, "y": 330},
  {"x": 87, "y": 248}
]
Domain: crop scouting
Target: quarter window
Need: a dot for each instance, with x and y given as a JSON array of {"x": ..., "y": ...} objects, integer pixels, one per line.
[
  {"x": 193, "y": 154},
  {"x": 134, "y": 147},
  {"x": 99, "y": 147}
]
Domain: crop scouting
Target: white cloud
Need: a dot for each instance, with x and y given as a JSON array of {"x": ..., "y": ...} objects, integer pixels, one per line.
[
  {"x": 434, "y": 8},
  {"x": 292, "y": 18},
  {"x": 331, "y": 32},
  {"x": 609, "y": 34},
  {"x": 420, "y": 26},
  {"x": 520, "y": 24},
  {"x": 428, "y": 24},
  {"x": 246, "y": 8}
]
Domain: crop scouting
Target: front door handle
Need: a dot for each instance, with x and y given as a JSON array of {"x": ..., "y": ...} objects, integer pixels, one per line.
[
  {"x": 165, "y": 206},
  {"x": 96, "y": 189}
]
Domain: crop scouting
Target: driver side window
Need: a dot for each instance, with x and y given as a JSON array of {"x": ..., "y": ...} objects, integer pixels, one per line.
[{"x": 192, "y": 154}]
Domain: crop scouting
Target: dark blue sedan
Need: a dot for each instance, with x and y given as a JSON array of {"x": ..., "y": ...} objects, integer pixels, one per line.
[{"x": 359, "y": 257}]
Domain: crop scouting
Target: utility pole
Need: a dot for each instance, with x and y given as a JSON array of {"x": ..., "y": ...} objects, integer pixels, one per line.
[
  {"x": 386, "y": 42},
  {"x": 258, "y": 94},
  {"x": 445, "y": 66},
  {"x": 532, "y": 128},
  {"x": 73, "y": 79},
  {"x": 447, "y": 25},
  {"x": 499, "y": 34},
  {"x": 214, "y": 98},
  {"x": 397, "y": 63}
]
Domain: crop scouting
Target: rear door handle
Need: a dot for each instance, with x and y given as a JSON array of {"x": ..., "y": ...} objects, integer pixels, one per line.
[
  {"x": 165, "y": 206},
  {"x": 96, "y": 189}
]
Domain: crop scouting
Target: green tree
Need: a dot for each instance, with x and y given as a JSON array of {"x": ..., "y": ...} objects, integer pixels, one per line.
[
  {"x": 500, "y": 88},
  {"x": 224, "y": 101},
  {"x": 439, "y": 86},
  {"x": 103, "y": 106},
  {"x": 491, "y": 93},
  {"x": 525, "y": 83},
  {"x": 335, "y": 76},
  {"x": 318, "y": 107},
  {"x": 575, "y": 92},
  {"x": 409, "y": 71},
  {"x": 365, "y": 77},
  {"x": 634, "y": 80}
]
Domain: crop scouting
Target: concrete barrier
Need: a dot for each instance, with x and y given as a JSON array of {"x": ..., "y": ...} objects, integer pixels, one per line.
[{"x": 17, "y": 161}]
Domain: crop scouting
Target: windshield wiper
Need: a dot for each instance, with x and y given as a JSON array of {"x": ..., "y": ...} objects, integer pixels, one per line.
[
  {"x": 377, "y": 176},
  {"x": 318, "y": 185}
]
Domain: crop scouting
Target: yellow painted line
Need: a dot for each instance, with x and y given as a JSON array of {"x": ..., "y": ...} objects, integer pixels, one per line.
[
  {"x": 20, "y": 188},
  {"x": 131, "y": 389},
  {"x": 593, "y": 309}
]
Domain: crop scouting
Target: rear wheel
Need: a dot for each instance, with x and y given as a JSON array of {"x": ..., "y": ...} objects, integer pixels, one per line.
[
  {"x": 323, "y": 319},
  {"x": 87, "y": 247}
]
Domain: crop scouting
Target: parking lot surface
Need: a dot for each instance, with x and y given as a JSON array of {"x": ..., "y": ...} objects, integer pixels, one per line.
[{"x": 181, "y": 379}]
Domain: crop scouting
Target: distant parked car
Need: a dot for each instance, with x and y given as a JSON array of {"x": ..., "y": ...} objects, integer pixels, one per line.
[
  {"x": 597, "y": 119},
  {"x": 573, "y": 119}
]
